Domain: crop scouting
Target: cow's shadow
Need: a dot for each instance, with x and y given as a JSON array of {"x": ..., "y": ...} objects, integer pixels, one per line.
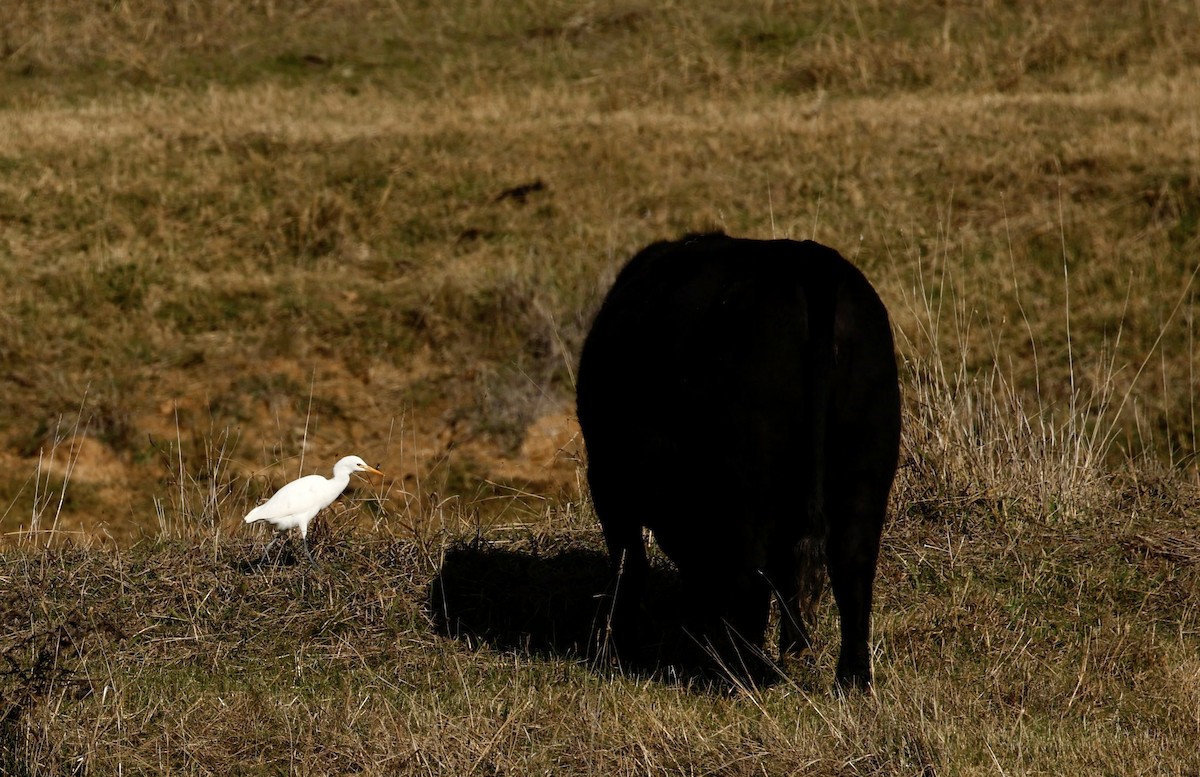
[{"x": 552, "y": 603}]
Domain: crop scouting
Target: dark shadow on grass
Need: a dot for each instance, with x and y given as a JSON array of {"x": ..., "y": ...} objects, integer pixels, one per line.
[
  {"x": 284, "y": 555},
  {"x": 519, "y": 600},
  {"x": 552, "y": 603}
]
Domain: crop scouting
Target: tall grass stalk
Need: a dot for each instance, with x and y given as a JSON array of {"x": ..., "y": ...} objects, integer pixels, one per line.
[{"x": 970, "y": 434}]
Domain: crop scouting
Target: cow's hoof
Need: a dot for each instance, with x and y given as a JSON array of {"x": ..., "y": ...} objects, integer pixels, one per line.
[{"x": 854, "y": 682}]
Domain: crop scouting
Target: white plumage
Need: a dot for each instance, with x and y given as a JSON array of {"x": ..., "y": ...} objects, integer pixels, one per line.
[{"x": 297, "y": 503}]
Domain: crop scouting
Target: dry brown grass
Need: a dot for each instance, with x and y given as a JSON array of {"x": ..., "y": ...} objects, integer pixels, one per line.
[
  {"x": 238, "y": 240},
  {"x": 1006, "y": 642},
  {"x": 397, "y": 292}
]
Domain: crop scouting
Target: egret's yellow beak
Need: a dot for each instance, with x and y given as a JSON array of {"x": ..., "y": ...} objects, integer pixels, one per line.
[{"x": 372, "y": 470}]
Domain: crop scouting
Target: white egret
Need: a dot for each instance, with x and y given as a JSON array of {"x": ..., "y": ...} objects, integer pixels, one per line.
[{"x": 298, "y": 502}]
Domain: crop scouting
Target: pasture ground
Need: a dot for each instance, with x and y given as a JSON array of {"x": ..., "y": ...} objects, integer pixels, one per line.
[{"x": 241, "y": 239}]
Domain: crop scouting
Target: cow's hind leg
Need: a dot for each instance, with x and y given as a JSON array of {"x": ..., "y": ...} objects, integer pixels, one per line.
[
  {"x": 798, "y": 575},
  {"x": 856, "y": 522},
  {"x": 631, "y": 569},
  {"x": 619, "y": 631}
]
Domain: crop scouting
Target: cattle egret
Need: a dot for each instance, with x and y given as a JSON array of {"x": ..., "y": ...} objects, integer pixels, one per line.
[{"x": 298, "y": 502}]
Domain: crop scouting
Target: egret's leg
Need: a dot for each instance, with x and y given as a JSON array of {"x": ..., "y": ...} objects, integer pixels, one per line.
[
  {"x": 304, "y": 542},
  {"x": 267, "y": 550}
]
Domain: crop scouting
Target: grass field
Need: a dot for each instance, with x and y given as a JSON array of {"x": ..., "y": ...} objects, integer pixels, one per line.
[{"x": 240, "y": 240}]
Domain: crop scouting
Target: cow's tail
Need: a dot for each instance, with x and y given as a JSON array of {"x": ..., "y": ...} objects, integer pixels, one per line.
[{"x": 821, "y": 356}]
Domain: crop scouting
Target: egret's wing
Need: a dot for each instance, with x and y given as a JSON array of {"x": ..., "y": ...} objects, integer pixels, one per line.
[{"x": 309, "y": 493}]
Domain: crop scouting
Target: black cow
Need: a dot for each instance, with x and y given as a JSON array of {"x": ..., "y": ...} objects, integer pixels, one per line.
[{"x": 740, "y": 399}]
